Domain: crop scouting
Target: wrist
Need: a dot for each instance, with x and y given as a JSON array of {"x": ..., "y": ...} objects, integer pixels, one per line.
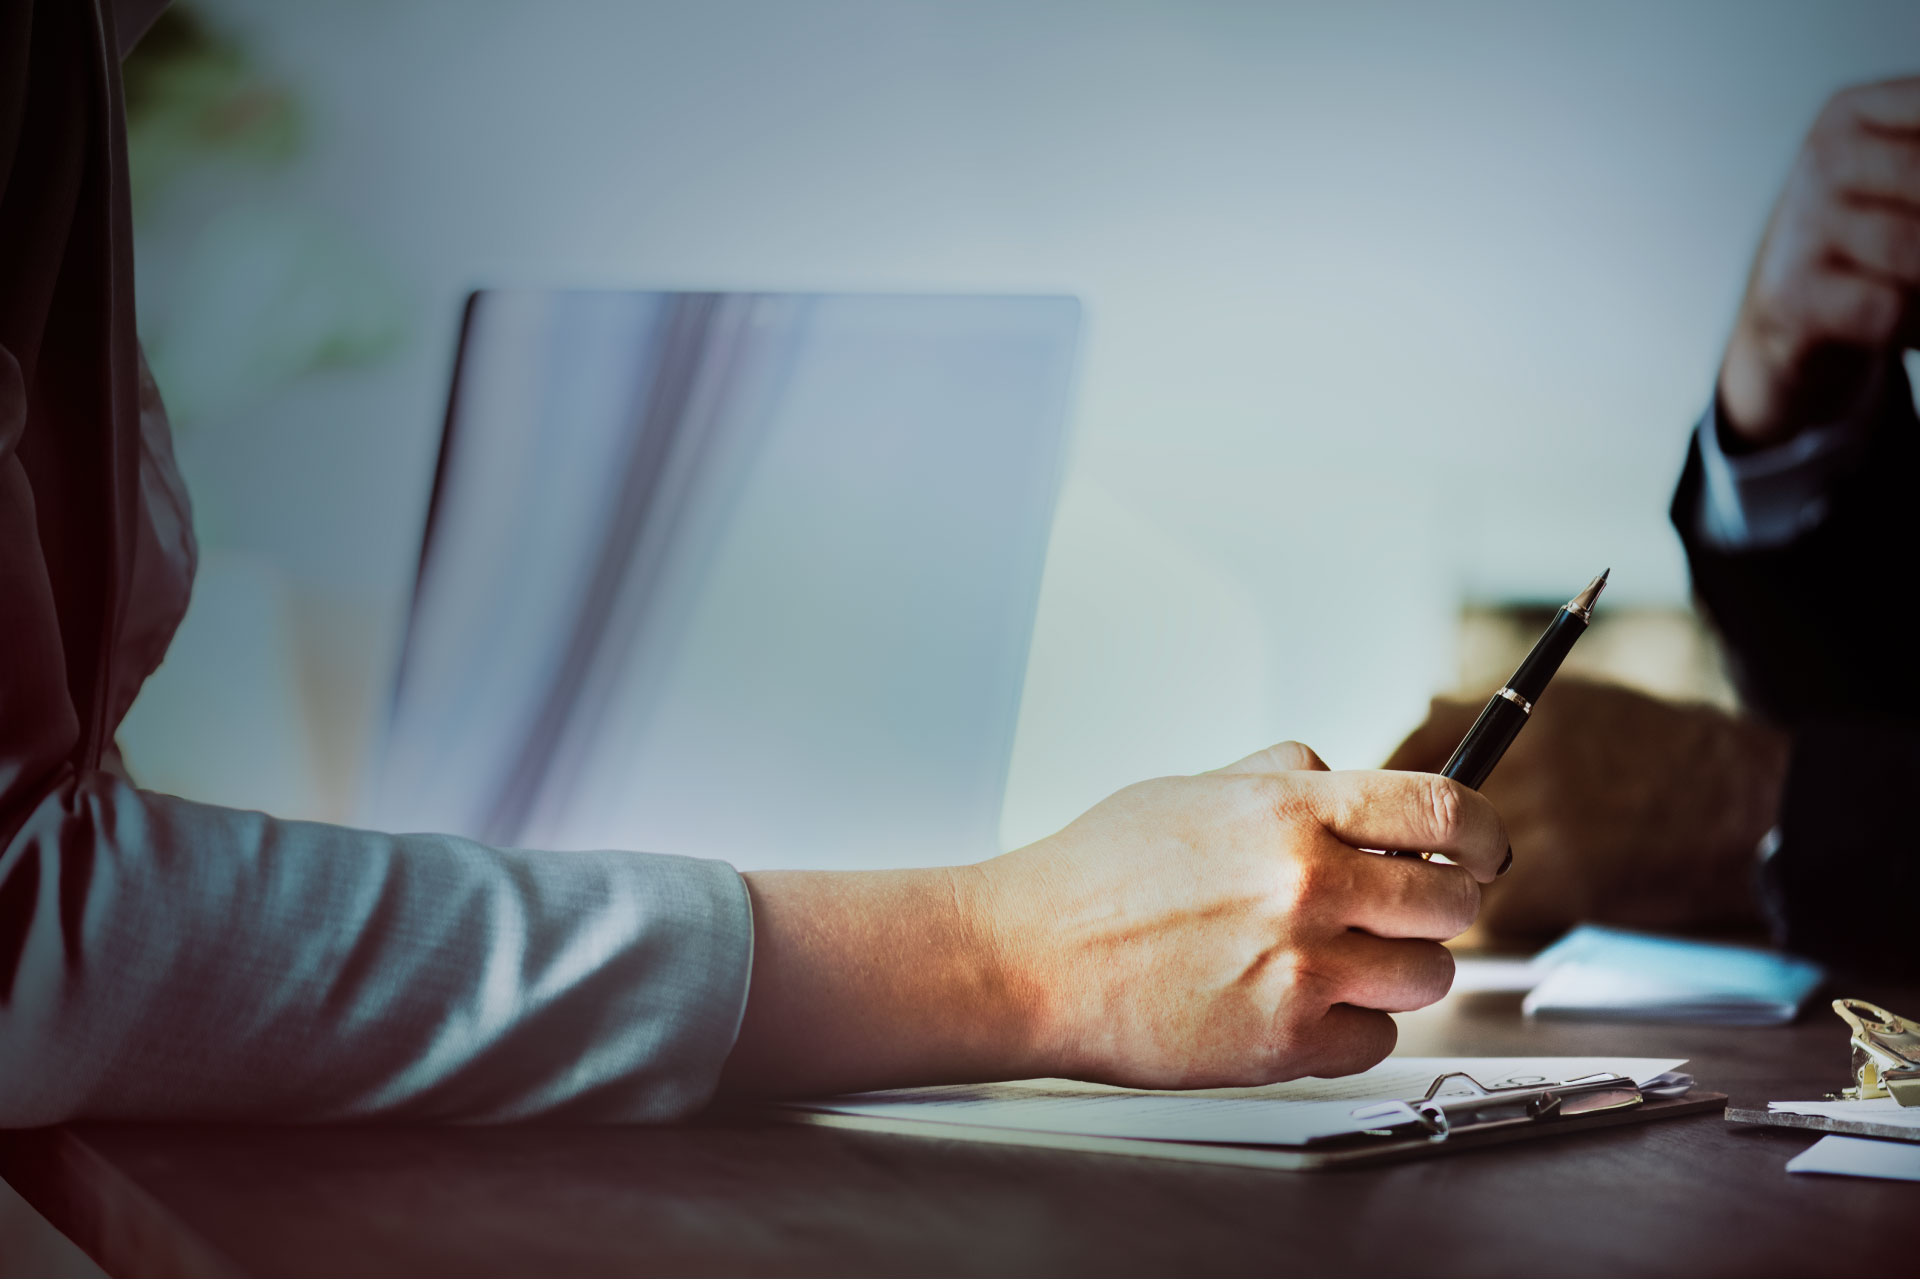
[
  {"x": 1007, "y": 935},
  {"x": 1752, "y": 395},
  {"x": 1773, "y": 385},
  {"x": 876, "y": 979}
]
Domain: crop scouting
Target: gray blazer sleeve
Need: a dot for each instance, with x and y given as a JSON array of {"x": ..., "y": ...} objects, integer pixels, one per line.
[{"x": 171, "y": 959}]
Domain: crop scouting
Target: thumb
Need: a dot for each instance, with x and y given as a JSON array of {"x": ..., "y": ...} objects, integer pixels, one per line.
[{"x": 1285, "y": 757}]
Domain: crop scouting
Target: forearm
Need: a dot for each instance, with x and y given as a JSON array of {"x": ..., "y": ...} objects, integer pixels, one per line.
[{"x": 865, "y": 980}]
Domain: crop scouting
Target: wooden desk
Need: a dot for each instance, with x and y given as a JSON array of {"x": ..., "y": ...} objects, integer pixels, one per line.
[{"x": 1691, "y": 1196}]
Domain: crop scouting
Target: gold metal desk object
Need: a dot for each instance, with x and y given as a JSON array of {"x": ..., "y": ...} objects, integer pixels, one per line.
[{"x": 1886, "y": 1053}]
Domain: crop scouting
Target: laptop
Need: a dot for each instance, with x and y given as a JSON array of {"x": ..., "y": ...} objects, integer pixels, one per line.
[{"x": 749, "y": 576}]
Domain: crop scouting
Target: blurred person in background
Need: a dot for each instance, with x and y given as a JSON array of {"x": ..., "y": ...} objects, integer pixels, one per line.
[
  {"x": 161, "y": 958},
  {"x": 1795, "y": 507}
]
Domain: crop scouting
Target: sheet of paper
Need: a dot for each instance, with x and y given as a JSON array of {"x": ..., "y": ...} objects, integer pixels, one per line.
[
  {"x": 1282, "y": 1114},
  {"x": 1859, "y": 1158},
  {"x": 1877, "y": 1110}
]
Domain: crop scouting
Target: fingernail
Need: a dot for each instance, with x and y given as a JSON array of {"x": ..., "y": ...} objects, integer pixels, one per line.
[{"x": 1506, "y": 862}]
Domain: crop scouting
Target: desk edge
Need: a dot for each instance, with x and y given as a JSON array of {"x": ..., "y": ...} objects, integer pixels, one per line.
[{"x": 107, "y": 1215}]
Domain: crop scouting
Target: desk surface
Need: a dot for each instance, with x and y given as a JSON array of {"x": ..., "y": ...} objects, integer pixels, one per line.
[{"x": 1692, "y": 1195}]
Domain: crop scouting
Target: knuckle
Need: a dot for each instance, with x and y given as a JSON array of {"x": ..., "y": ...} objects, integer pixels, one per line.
[
  {"x": 1446, "y": 804},
  {"x": 1289, "y": 1043},
  {"x": 1320, "y": 880},
  {"x": 1899, "y": 243},
  {"x": 1275, "y": 794},
  {"x": 1297, "y": 995},
  {"x": 1292, "y": 754},
  {"x": 1839, "y": 114},
  {"x": 1437, "y": 975},
  {"x": 1375, "y": 1042},
  {"x": 1871, "y": 310},
  {"x": 1466, "y": 905},
  {"x": 1301, "y": 887},
  {"x": 1278, "y": 801},
  {"x": 1444, "y": 901},
  {"x": 1389, "y": 1039},
  {"x": 1905, "y": 251},
  {"x": 1298, "y": 984}
]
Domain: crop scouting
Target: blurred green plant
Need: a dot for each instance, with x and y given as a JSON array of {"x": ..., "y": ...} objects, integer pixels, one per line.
[
  {"x": 245, "y": 288},
  {"x": 191, "y": 96}
]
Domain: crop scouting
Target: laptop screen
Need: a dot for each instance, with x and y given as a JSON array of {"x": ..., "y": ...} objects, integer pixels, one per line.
[{"x": 747, "y": 576}]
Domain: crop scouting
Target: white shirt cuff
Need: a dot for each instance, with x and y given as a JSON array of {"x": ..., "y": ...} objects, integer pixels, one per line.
[{"x": 1755, "y": 501}]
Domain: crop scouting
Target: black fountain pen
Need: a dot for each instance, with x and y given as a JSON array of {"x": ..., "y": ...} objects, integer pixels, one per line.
[{"x": 1511, "y": 704}]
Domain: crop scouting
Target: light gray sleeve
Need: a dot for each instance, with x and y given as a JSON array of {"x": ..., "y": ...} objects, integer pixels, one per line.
[
  {"x": 171, "y": 959},
  {"x": 1767, "y": 498}
]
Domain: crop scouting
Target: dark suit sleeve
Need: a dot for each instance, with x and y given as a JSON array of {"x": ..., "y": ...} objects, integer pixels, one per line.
[{"x": 1814, "y": 633}]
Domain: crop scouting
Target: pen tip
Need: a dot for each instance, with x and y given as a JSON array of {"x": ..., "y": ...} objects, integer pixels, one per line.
[{"x": 1582, "y": 604}]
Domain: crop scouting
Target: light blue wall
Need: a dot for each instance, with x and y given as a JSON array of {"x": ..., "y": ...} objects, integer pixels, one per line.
[{"x": 1346, "y": 269}]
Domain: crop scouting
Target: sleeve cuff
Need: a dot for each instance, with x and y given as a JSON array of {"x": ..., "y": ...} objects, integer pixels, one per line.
[{"x": 1765, "y": 499}]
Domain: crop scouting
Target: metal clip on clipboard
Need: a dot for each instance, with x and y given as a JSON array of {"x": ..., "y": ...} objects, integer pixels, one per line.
[
  {"x": 1886, "y": 1053},
  {"x": 1443, "y": 1115}
]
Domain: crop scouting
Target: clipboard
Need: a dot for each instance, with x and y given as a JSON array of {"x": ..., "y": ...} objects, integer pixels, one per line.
[{"x": 1417, "y": 1129}]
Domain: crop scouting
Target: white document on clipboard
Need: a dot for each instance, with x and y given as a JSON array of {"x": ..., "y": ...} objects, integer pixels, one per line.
[{"x": 1292, "y": 1114}]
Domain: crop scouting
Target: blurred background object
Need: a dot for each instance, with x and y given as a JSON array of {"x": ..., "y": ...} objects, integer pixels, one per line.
[
  {"x": 744, "y": 576},
  {"x": 1348, "y": 271},
  {"x": 1666, "y": 650}
]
